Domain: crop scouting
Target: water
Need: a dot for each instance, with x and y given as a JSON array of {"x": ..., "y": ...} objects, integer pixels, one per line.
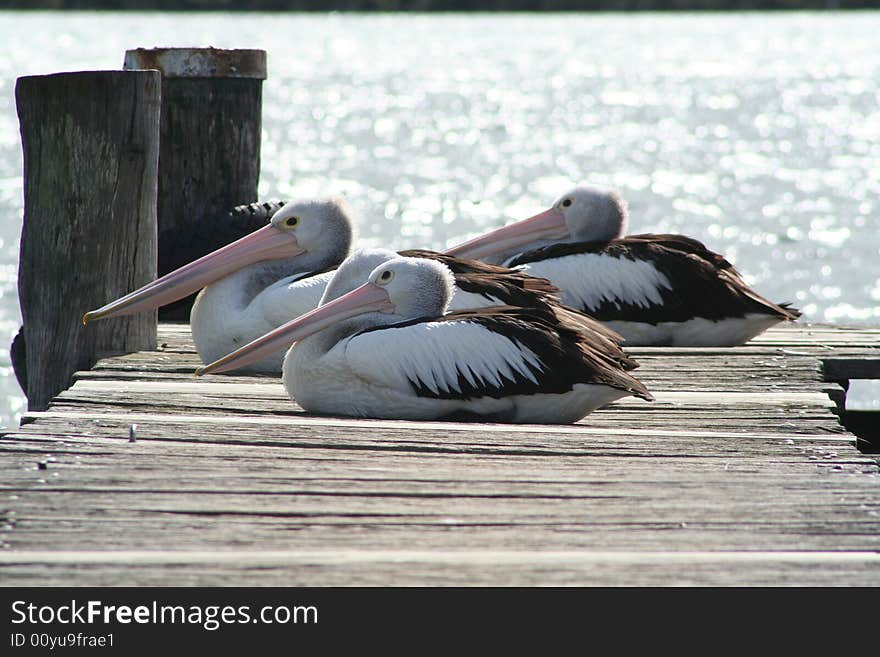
[{"x": 756, "y": 133}]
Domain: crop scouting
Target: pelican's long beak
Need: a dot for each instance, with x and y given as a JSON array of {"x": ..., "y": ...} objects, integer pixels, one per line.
[
  {"x": 548, "y": 225},
  {"x": 267, "y": 243},
  {"x": 369, "y": 297}
]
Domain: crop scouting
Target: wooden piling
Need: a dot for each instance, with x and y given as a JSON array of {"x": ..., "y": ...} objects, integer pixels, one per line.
[
  {"x": 90, "y": 143},
  {"x": 209, "y": 154}
]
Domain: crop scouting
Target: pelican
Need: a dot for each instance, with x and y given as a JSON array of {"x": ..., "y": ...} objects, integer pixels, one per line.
[
  {"x": 386, "y": 350},
  {"x": 254, "y": 284},
  {"x": 651, "y": 289}
]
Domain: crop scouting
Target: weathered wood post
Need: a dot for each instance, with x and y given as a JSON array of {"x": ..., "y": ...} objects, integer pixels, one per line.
[
  {"x": 209, "y": 153},
  {"x": 91, "y": 146}
]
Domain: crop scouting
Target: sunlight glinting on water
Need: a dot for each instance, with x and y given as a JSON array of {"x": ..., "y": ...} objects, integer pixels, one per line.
[{"x": 756, "y": 133}]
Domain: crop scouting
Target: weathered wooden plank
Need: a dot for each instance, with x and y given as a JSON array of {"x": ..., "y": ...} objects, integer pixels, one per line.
[
  {"x": 456, "y": 567},
  {"x": 77, "y": 422},
  {"x": 746, "y": 459},
  {"x": 744, "y": 421},
  {"x": 707, "y": 460},
  {"x": 371, "y": 532},
  {"x": 589, "y": 506},
  {"x": 673, "y": 528},
  {"x": 610, "y": 493}
]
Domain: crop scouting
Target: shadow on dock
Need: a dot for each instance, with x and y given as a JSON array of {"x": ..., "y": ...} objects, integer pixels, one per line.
[{"x": 863, "y": 423}]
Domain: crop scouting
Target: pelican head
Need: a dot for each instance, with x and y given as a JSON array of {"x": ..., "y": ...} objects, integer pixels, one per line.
[
  {"x": 583, "y": 214},
  {"x": 311, "y": 234},
  {"x": 401, "y": 289},
  {"x": 322, "y": 228},
  {"x": 354, "y": 270},
  {"x": 416, "y": 287}
]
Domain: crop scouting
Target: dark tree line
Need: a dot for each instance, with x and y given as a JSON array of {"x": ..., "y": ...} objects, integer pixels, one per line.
[{"x": 437, "y": 5}]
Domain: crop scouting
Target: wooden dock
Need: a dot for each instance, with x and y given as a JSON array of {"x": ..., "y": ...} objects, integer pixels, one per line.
[{"x": 738, "y": 474}]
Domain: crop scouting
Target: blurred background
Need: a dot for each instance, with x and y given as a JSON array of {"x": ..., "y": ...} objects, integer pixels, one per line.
[
  {"x": 755, "y": 132},
  {"x": 440, "y": 5}
]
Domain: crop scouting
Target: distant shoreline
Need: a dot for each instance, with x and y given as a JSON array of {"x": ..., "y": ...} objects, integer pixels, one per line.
[{"x": 442, "y": 5}]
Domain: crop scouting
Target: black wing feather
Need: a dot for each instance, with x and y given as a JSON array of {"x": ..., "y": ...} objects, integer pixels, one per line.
[
  {"x": 704, "y": 284},
  {"x": 567, "y": 357}
]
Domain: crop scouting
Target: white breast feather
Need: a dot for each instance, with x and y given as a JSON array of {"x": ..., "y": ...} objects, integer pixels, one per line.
[
  {"x": 434, "y": 353},
  {"x": 588, "y": 280}
]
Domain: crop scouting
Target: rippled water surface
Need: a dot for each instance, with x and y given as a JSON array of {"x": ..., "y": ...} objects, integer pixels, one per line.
[{"x": 757, "y": 133}]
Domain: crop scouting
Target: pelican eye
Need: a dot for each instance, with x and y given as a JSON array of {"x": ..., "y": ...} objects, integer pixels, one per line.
[
  {"x": 566, "y": 202},
  {"x": 291, "y": 221},
  {"x": 385, "y": 277}
]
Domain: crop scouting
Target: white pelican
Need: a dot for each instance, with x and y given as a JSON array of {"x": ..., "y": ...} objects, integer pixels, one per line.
[
  {"x": 254, "y": 284},
  {"x": 386, "y": 350},
  {"x": 651, "y": 289}
]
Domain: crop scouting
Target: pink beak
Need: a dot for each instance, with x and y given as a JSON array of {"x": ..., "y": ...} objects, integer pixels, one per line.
[
  {"x": 369, "y": 297},
  {"x": 267, "y": 243},
  {"x": 548, "y": 225}
]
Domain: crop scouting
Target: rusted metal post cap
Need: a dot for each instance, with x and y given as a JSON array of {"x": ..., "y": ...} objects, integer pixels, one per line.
[{"x": 199, "y": 62}]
